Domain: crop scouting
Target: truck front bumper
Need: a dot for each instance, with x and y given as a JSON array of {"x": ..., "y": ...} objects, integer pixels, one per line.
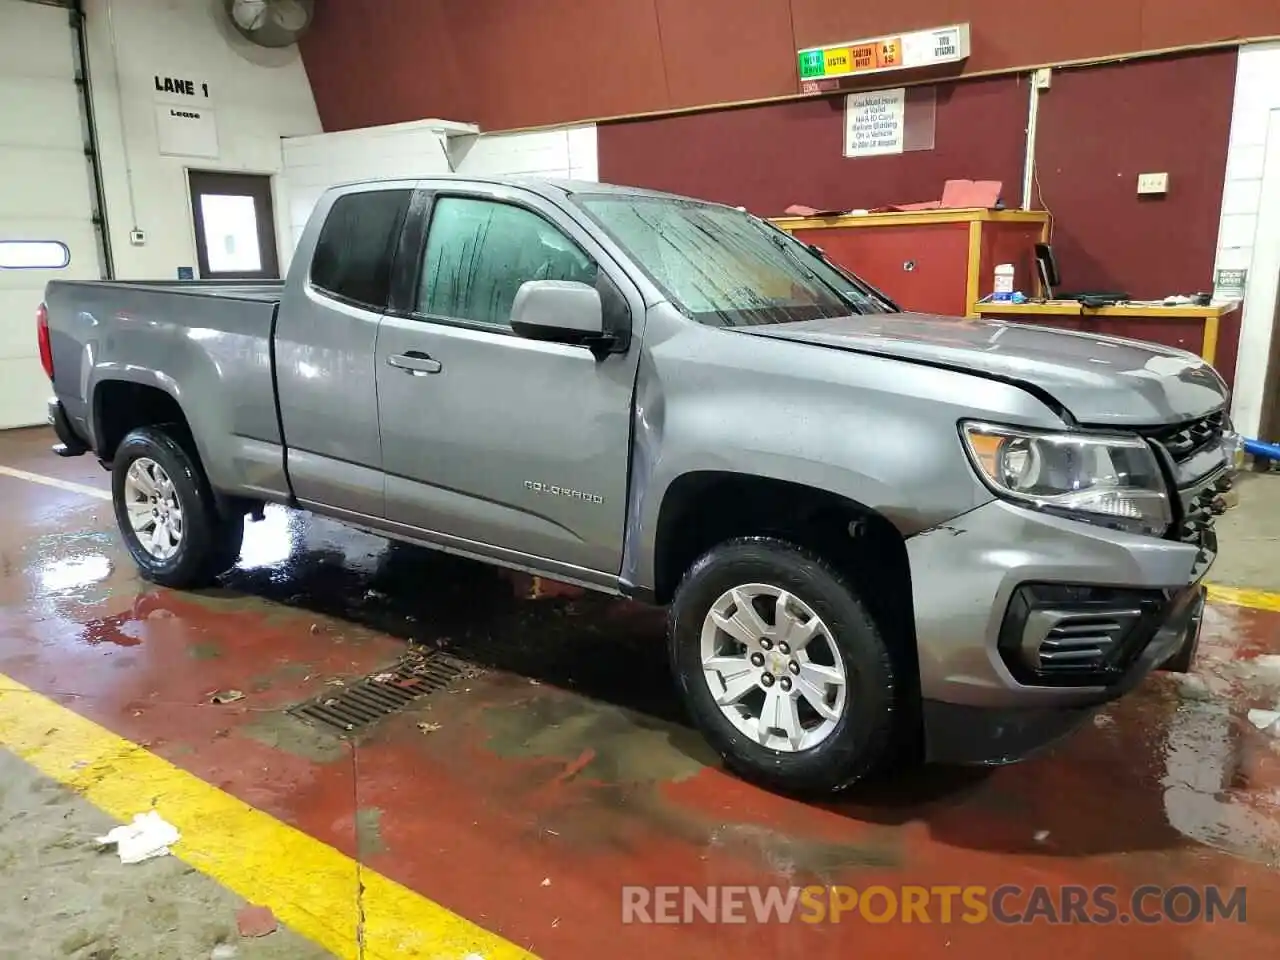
[{"x": 1026, "y": 623}]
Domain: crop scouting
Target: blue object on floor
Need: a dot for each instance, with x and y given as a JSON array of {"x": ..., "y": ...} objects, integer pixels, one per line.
[{"x": 1270, "y": 451}]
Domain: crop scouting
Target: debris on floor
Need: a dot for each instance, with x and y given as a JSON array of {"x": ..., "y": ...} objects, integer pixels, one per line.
[
  {"x": 1192, "y": 687},
  {"x": 1262, "y": 670},
  {"x": 254, "y": 921},
  {"x": 149, "y": 835},
  {"x": 571, "y": 770},
  {"x": 223, "y": 951},
  {"x": 428, "y": 727},
  {"x": 1268, "y": 721},
  {"x": 227, "y": 696}
]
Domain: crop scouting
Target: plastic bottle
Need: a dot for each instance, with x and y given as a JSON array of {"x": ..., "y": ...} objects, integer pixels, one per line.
[{"x": 1004, "y": 282}]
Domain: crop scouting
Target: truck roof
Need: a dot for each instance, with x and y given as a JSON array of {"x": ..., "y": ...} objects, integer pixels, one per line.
[{"x": 553, "y": 188}]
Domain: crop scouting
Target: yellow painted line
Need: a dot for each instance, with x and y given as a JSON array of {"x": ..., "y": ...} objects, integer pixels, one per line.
[
  {"x": 310, "y": 887},
  {"x": 55, "y": 482},
  {"x": 1240, "y": 597}
]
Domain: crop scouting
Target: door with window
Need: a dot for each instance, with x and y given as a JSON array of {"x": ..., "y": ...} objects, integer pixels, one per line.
[
  {"x": 326, "y": 334},
  {"x": 492, "y": 439},
  {"x": 235, "y": 226}
]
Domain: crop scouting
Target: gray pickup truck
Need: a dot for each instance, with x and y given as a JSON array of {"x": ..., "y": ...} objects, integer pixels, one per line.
[{"x": 880, "y": 535}]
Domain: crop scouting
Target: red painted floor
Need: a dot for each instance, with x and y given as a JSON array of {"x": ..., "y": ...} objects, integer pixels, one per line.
[{"x": 565, "y": 758}]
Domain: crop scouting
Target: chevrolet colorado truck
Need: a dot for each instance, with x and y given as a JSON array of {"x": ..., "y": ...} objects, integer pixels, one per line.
[{"x": 879, "y": 534}]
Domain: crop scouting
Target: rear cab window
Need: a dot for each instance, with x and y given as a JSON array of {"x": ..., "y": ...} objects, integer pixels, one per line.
[{"x": 357, "y": 245}]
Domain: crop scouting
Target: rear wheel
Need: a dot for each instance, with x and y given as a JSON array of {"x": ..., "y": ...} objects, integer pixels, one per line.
[
  {"x": 782, "y": 667},
  {"x": 167, "y": 514}
]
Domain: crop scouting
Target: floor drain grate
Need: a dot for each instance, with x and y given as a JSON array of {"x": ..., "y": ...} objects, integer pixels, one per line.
[{"x": 356, "y": 706}]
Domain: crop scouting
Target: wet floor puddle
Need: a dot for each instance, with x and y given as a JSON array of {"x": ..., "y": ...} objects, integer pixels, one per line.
[{"x": 1176, "y": 762}]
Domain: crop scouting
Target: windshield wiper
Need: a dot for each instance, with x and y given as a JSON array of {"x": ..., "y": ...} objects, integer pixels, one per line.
[
  {"x": 871, "y": 292},
  {"x": 784, "y": 241},
  {"x": 783, "y": 244}
]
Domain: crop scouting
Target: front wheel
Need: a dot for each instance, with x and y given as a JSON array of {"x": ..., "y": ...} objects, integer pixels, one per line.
[
  {"x": 782, "y": 667},
  {"x": 167, "y": 514}
]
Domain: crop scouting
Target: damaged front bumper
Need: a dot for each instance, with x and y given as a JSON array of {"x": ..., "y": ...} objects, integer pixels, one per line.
[{"x": 1026, "y": 623}]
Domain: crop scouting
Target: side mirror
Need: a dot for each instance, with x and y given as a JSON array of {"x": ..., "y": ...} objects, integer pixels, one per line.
[{"x": 563, "y": 310}]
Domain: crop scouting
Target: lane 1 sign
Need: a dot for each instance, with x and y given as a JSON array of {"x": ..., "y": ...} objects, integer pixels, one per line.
[{"x": 906, "y": 51}]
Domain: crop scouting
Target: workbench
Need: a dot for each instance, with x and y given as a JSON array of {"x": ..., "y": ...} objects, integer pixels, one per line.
[
  {"x": 930, "y": 261},
  {"x": 1211, "y": 331}
]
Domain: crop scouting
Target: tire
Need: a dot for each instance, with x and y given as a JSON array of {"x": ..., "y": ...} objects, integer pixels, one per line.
[
  {"x": 230, "y": 544},
  {"x": 860, "y": 733},
  {"x": 208, "y": 542}
]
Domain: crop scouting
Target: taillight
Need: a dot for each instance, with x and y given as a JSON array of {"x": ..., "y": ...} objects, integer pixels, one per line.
[{"x": 42, "y": 335}]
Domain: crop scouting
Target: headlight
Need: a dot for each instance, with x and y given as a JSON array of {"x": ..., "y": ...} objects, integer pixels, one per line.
[{"x": 1113, "y": 481}]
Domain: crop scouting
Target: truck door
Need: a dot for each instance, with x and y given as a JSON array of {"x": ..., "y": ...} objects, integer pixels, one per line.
[
  {"x": 492, "y": 443},
  {"x": 326, "y": 331}
]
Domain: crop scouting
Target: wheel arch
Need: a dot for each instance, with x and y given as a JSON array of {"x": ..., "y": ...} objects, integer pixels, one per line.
[{"x": 705, "y": 508}]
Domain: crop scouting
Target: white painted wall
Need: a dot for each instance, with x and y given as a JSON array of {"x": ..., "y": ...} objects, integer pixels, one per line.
[
  {"x": 429, "y": 147},
  {"x": 1249, "y": 234},
  {"x": 566, "y": 153},
  {"x": 315, "y": 163},
  {"x": 258, "y": 97}
]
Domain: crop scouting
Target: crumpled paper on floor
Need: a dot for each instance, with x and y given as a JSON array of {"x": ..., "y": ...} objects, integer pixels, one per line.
[{"x": 149, "y": 835}]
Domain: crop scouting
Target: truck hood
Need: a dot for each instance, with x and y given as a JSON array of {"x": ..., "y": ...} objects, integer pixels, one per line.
[{"x": 1098, "y": 379}]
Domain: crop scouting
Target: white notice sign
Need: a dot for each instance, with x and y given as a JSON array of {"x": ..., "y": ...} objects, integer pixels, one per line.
[
  {"x": 874, "y": 122},
  {"x": 185, "y": 131}
]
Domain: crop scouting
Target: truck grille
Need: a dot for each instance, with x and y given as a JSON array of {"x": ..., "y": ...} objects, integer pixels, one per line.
[
  {"x": 1199, "y": 507},
  {"x": 1185, "y": 440},
  {"x": 1202, "y": 475}
]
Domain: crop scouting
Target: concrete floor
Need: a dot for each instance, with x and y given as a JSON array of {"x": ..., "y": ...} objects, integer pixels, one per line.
[
  {"x": 554, "y": 771},
  {"x": 62, "y": 897},
  {"x": 1250, "y": 536}
]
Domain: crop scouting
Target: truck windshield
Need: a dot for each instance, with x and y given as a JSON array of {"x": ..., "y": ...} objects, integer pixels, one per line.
[{"x": 725, "y": 267}]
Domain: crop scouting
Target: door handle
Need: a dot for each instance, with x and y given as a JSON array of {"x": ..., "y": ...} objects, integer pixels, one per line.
[{"x": 415, "y": 363}]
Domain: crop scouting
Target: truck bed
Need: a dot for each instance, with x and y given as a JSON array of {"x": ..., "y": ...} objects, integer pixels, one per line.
[{"x": 210, "y": 341}]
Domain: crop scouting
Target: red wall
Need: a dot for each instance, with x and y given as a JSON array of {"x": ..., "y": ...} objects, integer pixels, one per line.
[
  {"x": 1102, "y": 126},
  {"x": 768, "y": 157},
  {"x": 1099, "y": 128},
  {"x": 518, "y": 63}
]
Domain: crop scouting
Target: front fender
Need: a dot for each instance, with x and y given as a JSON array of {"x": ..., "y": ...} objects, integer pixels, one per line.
[{"x": 876, "y": 431}]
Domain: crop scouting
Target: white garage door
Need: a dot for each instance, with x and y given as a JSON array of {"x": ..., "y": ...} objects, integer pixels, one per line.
[{"x": 45, "y": 188}]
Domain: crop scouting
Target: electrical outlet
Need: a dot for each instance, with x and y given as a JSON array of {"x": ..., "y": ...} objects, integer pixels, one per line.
[
  {"x": 1042, "y": 78},
  {"x": 1149, "y": 183},
  {"x": 137, "y": 238}
]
